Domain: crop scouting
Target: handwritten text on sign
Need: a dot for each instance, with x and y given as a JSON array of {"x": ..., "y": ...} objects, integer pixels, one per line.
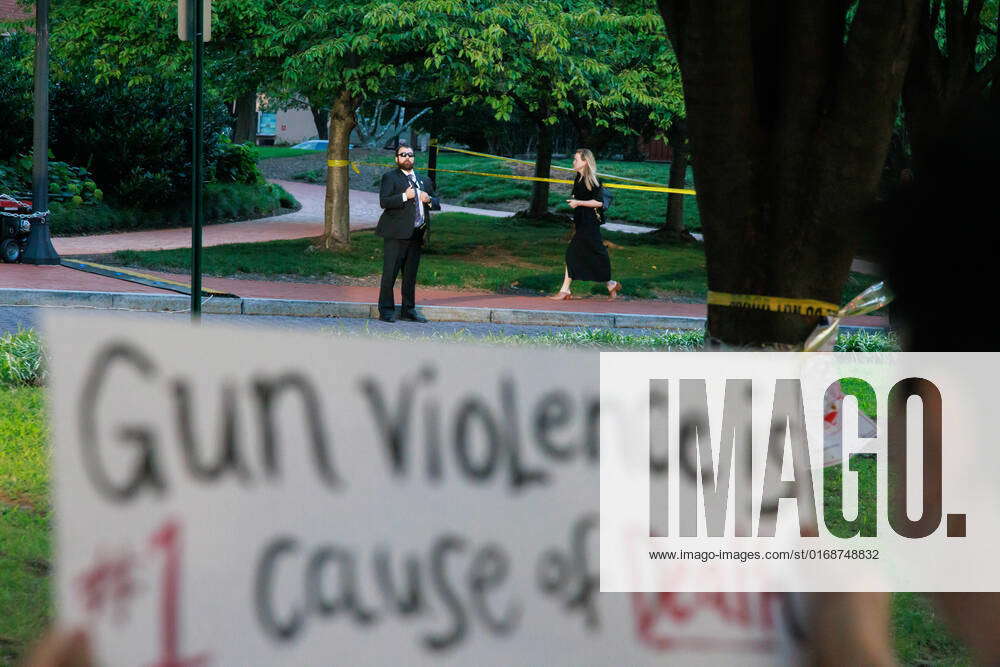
[{"x": 226, "y": 497}]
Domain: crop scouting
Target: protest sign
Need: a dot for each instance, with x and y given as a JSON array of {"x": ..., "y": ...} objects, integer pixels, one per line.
[{"x": 225, "y": 497}]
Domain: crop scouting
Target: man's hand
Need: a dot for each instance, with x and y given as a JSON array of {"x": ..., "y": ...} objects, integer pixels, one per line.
[
  {"x": 410, "y": 193},
  {"x": 424, "y": 197}
]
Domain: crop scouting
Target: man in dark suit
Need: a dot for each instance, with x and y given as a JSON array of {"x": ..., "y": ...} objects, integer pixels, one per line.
[{"x": 407, "y": 200}]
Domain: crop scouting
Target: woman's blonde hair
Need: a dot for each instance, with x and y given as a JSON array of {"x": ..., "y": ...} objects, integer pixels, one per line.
[{"x": 589, "y": 173}]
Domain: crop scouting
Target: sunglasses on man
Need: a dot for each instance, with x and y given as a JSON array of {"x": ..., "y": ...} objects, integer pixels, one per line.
[{"x": 404, "y": 154}]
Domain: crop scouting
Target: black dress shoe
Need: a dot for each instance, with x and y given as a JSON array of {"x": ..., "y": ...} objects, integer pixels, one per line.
[
  {"x": 411, "y": 316},
  {"x": 387, "y": 317}
]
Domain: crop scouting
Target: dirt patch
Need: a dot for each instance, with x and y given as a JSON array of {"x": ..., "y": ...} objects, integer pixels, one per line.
[
  {"x": 677, "y": 297},
  {"x": 513, "y": 205},
  {"x": 21, "y": 502},
  {"x": 494, "y": 256},
  {"x": 327, "y": 279}
]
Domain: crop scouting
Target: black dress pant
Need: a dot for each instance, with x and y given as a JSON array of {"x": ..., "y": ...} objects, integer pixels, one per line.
[{"x": 400, "y": 254}]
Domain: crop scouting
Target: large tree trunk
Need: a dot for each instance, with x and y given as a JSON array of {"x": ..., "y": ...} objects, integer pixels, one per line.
[
  {"x": 789, "y": 126},
  {"x": 337, "y": 209},
  {"x": 941, "y": 86},
  {"x": 246, "y": 118},
  {"x": 673, "y": 226},
  {"x": 321, "y": 116},
  {"x": 539, "y": 207}
]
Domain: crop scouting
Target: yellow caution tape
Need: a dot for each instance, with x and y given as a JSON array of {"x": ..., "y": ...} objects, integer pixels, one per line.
[
  {"x": 344, "y": 163},
  {"x": 531, "y": 164},
  {"x": 774, "y": 304},
  {"x": 644, "y": 188},
  {"x": 873, "y": 298},
  {"x": 492, "y": 157}
]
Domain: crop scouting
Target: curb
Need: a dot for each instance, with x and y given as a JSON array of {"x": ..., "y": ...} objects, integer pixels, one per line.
[{"x": 301, "y": 308}]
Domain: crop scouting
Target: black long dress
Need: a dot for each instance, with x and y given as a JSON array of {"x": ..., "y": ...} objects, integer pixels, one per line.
[{"x": 586, "y": 256}]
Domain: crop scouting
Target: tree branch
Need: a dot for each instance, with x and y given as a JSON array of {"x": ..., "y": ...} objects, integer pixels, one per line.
[
  {"x": 953, "y": 25},
  {"x": 675, "y": 16},
  {"x": 523, "y": 106},
  {"x": 972, "y": 15},
  {"x": 970, "y": 30},
  {"x": 934, "y": 17},
  {"x": 418, "y": 104}
]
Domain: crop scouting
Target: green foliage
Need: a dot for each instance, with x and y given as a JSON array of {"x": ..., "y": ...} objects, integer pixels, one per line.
[
  {"x": 143, "y": 151},
  {"x": 16, "y": 98},
  {"x": 610, "y": 340},
  {"x": 267, "y": 152},
  {"x": 67, "y": 183},
  {"x": 21, "y": 359},
  {"x": 132, "y": 138},
  {"x": 135, "y": 42},
  {"x": 833, "y": 497},
  {"x": 24, "y": 521},
  {"x": 599, "y": 66},
  {"x": 863, "y": 341},
  {"x": 235, "y": 163},
  {"x": 921, "y": 636},
  {"x": 223, "y": 203}
]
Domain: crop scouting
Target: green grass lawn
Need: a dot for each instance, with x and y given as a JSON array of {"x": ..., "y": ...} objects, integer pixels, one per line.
[
  {"x": 25, "y": 551},
  {"x": 266, "y": 152},
  {"x": 468, "y": 251}
]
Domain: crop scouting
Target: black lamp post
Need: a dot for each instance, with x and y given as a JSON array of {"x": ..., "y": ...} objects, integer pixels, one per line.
[{"x": 39, "y": 249}]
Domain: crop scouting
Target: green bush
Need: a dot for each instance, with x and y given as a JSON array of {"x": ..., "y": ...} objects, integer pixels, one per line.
[
  {"x": 67, "y": 183},
  {"x": 22, "y": 361},
  {"x": 141, "y": 151},
  {"x": 863, "y": 341},
  {"x": 317, "y": 176},
  {"x": 223, "y": 203},
  {"x": 16, "y": 93},
  {"x": 133, "y": 134},
  {"x": 236, "y": 163}
]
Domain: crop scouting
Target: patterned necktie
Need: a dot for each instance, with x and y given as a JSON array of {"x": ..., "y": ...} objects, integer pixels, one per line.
[{"x": 419, "y": 220}]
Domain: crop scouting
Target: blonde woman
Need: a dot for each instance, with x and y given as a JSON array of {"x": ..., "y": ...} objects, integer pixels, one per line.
[{"x": 586, "y": 256}]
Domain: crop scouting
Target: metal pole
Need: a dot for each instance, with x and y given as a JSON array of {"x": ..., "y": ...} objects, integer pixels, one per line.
[
  {"x": 39, "y": 249},
  {"x": 40, "y": 175},
  {"x": 197, "y": 212}
]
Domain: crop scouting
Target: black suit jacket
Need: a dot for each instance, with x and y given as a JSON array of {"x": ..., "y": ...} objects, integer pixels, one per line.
[{"x": 398, "y": 217}]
